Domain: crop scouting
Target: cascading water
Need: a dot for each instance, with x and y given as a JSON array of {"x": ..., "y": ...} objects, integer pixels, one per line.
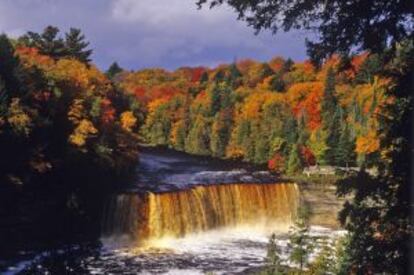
[{"x": 175, "y": 214}]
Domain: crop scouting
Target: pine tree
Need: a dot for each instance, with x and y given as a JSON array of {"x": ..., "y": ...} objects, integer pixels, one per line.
[
  {"x": 220, "y": 134},
  {"x": 333, "y": 137},
  {"x": 345, "y": 152},
  {"x": 235, "y": 75},
  {"x": 331, "y": 117},
  {"x": 303, "y": 134},
  {"x": 273, "y": 258},
  {"x": 47, "y": 42},
  {"x": 9, "y": 69},
  {"x": 294, "y": 164},
  {"x": 300, "y": 243},
  {"x": 329, "y": 101},
  {"x": 113, "y": 70},
  {"x": 277, "y": 83},
  {"x": 198, "y": 139},
  {"x": 215, "y": 99},
  {"x": 76, "y": 46}
]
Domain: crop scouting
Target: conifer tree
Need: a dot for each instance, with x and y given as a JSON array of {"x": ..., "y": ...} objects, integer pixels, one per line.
[
  {"x": 113, "y": 70},
  {"x": 294, "y": 164},
  {"x": 345, "y": 151},
  {"x": 331, "y": 117},
  {"x": 273, "y": 258},
  {"x": 76, "y": 46}
]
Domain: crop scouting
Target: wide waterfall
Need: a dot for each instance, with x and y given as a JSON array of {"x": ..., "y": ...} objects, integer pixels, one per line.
[{"x": 201, "y": 208}]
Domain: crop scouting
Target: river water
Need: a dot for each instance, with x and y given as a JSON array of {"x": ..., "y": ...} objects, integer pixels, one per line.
[{"x": 182, "y": 215}]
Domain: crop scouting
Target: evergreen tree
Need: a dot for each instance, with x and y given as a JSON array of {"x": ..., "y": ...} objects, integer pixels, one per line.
[
  {"x": 333, "y": 136},
  {"x": 370, "y": 67},
  {"x": 215, "y": 99},
  {"x": 290, "y": 129},
  {"x": 204, "y": 77},
  {"x": 277, "y": 83},
  {"x": 303, "y": 134},
  {"x": 324, "y": 261},
  {"x": 9, "y": 69},
  {"x": 329, "y": 101},
  {"x": 262, "y": 148},
  {"x": 47, "y": 42},
  {"x": 345, "y": 151},
  {"x": 234, "y": 75},
  {"x": 300, "y": 243},
  {"x": 76, "y": 46},
  {"x": 287, "y": 65},
  {"x": 220, "y": 134},
  {"x": 331, "y": 117},
  {"x": 113, "y": 70},
  {"x": 273, "y": 258},
  {"x": 294, "y": 164}
]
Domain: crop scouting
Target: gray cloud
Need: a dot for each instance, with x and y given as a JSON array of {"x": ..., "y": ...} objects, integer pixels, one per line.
[{"x": 151, "y": 33}]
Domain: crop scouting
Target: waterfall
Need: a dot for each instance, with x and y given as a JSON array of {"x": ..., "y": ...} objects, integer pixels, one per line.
[{"x": 200, "y": 208}]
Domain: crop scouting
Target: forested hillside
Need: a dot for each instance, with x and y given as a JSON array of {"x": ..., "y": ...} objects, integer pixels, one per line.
[
  {"x": 286, "y": 114},
  {"x": 65, "y": 132}
]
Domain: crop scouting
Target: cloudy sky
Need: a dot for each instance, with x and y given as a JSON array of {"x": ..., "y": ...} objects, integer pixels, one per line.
[{"x": 151, "y": 33}]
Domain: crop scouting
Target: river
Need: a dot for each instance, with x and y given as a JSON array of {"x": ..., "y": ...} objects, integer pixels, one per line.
[{"x": 181, "y": 215}]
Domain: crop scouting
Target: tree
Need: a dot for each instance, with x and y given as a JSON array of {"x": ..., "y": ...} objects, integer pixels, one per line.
[
  {"x": 294, "y": 164},
  {"x": 345, "y": 150},
  {"x": 9, "y": 69},
  {"x": 300, "y": 243},
  {"x": 379, "y": 215},
  {"x": 324, "y": 261},
  {"x": 113, "y": 70},
  {"x": 47, "y": 42},
  {"x": 128, "y": 120},
  {"x": 76, "y": 46},
  {"x": 273, "y": 259}
]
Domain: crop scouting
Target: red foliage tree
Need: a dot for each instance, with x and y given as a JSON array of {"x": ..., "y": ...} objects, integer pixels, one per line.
[
  {"x": 277, "y": 163},
  {"x": 307, "y": 156}
]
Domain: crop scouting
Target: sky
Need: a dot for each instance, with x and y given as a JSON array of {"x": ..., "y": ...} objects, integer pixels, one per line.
[{"x": 152, "y": 33}]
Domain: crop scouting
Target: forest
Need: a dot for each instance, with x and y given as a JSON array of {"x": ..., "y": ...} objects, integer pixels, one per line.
[
  {"x": 70, "y": 133},
  {"x": 67, "y": 128},
  {"x": 284, "y": 114}
]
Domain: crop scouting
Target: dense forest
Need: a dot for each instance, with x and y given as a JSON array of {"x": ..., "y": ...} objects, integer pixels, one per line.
[{"x": 286, "y": 114}]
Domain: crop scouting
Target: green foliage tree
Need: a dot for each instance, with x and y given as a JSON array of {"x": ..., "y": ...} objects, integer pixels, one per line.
[
  {"x": 345, "y": 150},
  {"x": 76, "y": 46},
  {"x": 220, "y": 134},
  {"x": 273, "y": 259},
  {"x": 370, "y": 67},
  {"x": 9, "y": 69},
  {"x": 198, "y": 139},
  {"x": 113, "y": 70},
  {"x": 47, "y": 42},
  {"x": 324, "y": 263},
  {"x": 294, "y": 164},
  {"x": 300, "y": 244}
]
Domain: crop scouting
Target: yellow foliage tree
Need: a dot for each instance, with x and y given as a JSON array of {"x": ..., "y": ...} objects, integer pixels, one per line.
[
  {"x": 18, "y": 119},
  {"x": 82, "y": 132},
  {"x": 76, "y": 111},
  {"x": 128, "y": 120},
  {"x": 368, "y": 143}
]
